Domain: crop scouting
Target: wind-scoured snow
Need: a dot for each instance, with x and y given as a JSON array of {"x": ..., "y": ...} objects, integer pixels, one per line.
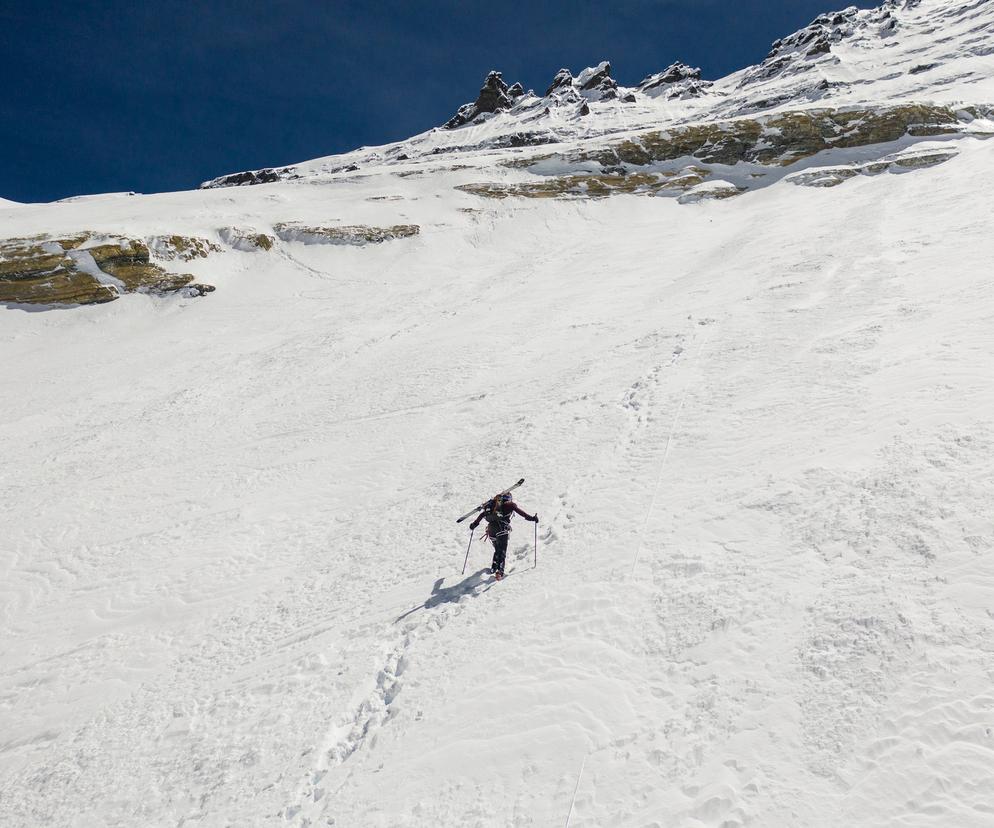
[{"x": 757, "y": 433}]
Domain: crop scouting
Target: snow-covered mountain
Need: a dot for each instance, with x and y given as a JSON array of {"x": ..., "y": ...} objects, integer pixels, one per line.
[
  {"x": 905, "y": 51},
  {"x": 735, "y": 333}
]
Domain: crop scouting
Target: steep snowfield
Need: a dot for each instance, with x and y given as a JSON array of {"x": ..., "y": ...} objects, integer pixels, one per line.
[
  {"x": 757, "y": 433},
  {"x": 758, "y": 436}
]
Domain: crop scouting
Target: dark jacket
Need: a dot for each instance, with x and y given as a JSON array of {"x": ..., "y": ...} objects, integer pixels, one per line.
[{"x": 498, "y": 518}]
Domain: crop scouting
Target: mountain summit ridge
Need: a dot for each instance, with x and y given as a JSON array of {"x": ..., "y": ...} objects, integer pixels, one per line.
[{"x": 850, "y": 58}]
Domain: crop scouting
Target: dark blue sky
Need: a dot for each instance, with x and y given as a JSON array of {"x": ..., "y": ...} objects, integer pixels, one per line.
[{"x": 160, "y": 95}]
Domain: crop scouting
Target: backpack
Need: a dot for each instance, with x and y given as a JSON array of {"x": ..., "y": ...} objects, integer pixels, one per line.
[{"x": 498, "y": 523}]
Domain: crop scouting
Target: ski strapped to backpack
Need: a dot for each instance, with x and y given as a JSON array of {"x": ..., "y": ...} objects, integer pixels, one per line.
[{"x": 484, "y": 504}]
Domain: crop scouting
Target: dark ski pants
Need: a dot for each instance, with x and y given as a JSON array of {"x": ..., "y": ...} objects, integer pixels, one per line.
[{"x": 500, "y": 551}]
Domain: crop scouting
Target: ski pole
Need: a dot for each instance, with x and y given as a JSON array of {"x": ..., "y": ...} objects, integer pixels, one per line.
[
  {"x": 467, "y": 552},
  {"x": 536, "y": 542}
]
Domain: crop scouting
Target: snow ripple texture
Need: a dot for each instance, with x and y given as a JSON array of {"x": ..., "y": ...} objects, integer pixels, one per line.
[{"x": 758, "y": 434}]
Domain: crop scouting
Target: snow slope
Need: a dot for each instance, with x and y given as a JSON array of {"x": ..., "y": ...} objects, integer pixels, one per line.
[{"x": 757, "y": 432}]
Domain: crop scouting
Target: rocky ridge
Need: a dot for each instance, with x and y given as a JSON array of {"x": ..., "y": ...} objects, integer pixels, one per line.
[
  {"x": 784, "y": 138},
  {"x": 495, "y": 96},
  {"x": 354, "y": 235},
  {"x": 904, "y": 51},
  {"x": 797, "y": 51},
  {"x": 268, "y": 175},
  {"x": 678, "y": 81},
  {"x": 828, "y": 58},
  {"x": 181, "y": 248},
  {"x": 246, "y": 239},
  {"x": 85, "y": 269},
  {"x": 755, "y": 152},
  {"x": 894, "y": 163},
  {"x": 593, "y": 84}
]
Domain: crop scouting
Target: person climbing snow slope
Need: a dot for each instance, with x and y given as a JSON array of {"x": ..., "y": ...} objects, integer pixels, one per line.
[{"x": 498, "y": 513}]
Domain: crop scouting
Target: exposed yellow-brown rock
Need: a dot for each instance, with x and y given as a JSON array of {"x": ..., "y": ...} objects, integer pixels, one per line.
[
  {"x": 241, "y": 238},
  {"x": 61, "y": 271},
  {"x": 182, "y": 248},
  {"x": 917, "y": 161},
  {"x": 902, "y": 162},
  {"x": 524, "y": 163},
  {"x": 38, "y": 271},
  {"x": 349, "y": 234},
  {"x": 782, "y": 138},
  {"x": 590, "y": 185},
  {"x": 128, "y": 261}
]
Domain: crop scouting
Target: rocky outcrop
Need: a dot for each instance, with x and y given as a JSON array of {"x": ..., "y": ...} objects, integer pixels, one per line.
[
  {"x": 127, "y": 262},
  {"x": 181, "y": 248},
  {"x": 678, "y": 81},
  {"x": 586, "y": 185},
  {"x": 39, "y": 271},
  {"x": 244, "y": 179},
  {"x": 563, "y": 80},
  {"x": 794, "y": 53},
  {"x": 675, "y": 73},
  {"x": 521, "y": 139},
  {"x": 895, "y": 163},
  {"x": 251, "y": 241},
  {"x": 357, "y": 235},
  {"x": 823, "y": 176},
  {"x": 710, "y": 191},
  {"x": 196, "y": 289},
  {"x": 800, "y": 51},
  {"x": 598, "y": 79},
  {"x": 592, "y": 84},
  {"x": 495, "y": 96},
  {"x": 82, "y": 270},
  {"x": 781, "y": 139},
  {"x": 656, "y": 162}
]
